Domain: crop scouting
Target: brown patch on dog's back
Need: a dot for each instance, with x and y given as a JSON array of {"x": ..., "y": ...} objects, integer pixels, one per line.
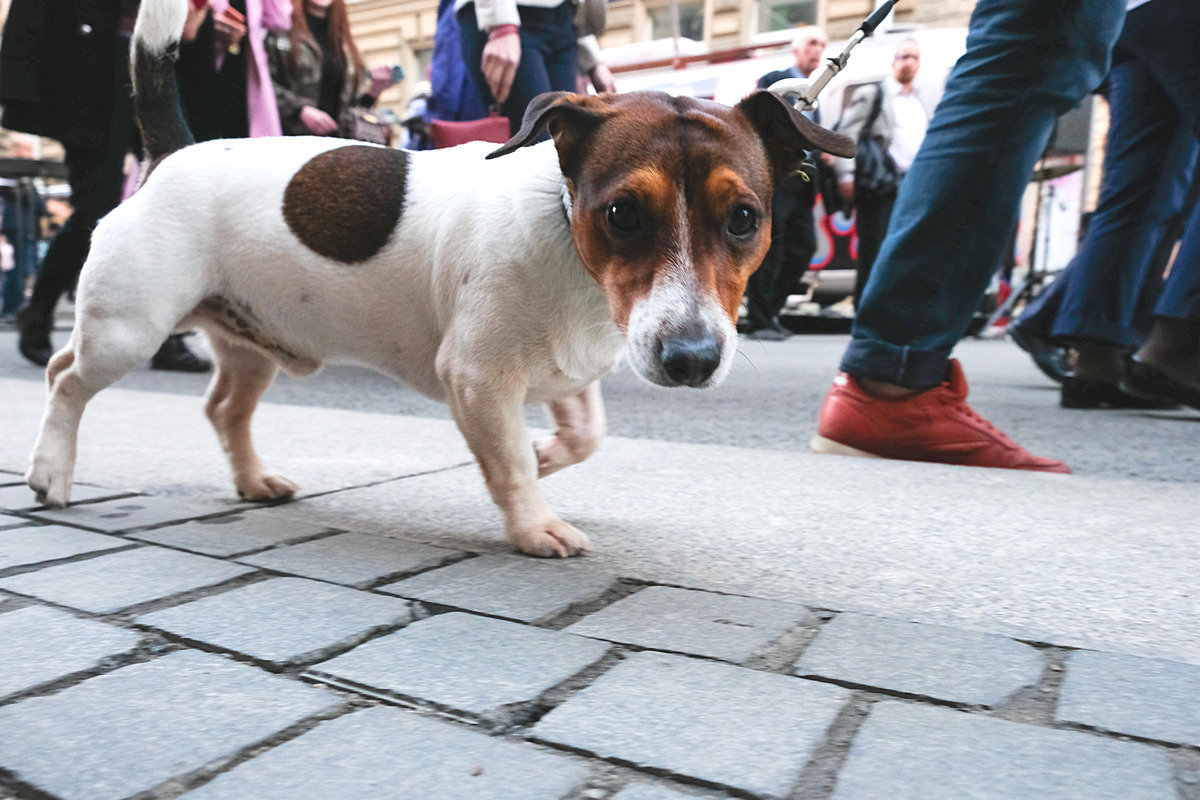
[{"x": 345, "y": 203}]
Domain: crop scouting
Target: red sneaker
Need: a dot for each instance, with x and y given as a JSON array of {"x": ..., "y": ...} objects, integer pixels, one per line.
[{"x": 936, "y": 425}]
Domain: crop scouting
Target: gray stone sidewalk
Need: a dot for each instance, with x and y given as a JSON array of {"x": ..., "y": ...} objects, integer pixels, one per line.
[{"x": 162, "y": 647}]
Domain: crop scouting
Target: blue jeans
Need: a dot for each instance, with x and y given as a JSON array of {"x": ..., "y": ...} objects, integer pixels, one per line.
[
  {"x": 1151, "y": 153},
  {"x": 1149, "y": 164},
  {"x": 1027, "y": 61},
  {"x": 547, "y": 56}
]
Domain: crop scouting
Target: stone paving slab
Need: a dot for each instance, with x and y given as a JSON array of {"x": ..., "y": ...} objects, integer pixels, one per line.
[
  {"x": 114, "y": 516},
  {"x": 355, "y": 559},
  {"x": 1136, "y": 696},
  {"x": 129, "y": 730},
  {"x": 909, "y": 752},
  {"x": 20, "y": 497},
  {"x": 44, "y": 644},
  {"x": 466, "y": 663},
  {"x": 389, "y": 754},
  {"x": 12, "y": 521},
  {"x": 642, "y": 791},
  {"x": 284, "y": 621},
  {"x": 513, "y": 587},
  {"x": 110, "y": 583},
  {"x": 232, "y": 534},
  {"x": 719, "y": 723},
  {"x": 727, "y": 627},
  {"x": 21, "y": 547},
  {"x": 924, "y": 660}
]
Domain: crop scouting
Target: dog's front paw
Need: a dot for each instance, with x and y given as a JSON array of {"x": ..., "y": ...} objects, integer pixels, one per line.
[
  {"x": 552, "y": 538},
  {"x": 262, "y": 488},
  {"x": 52, "y": 487}
]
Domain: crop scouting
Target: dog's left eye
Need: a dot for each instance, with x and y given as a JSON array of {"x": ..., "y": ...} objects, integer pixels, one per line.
[{"x": 742, "y": 221}]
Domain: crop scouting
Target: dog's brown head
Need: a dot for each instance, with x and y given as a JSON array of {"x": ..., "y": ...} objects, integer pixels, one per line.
[{"x": 671, "y": 211}]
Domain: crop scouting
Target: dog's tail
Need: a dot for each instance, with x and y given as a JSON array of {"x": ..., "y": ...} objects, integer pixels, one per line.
[{"x": 155, "y": 50}]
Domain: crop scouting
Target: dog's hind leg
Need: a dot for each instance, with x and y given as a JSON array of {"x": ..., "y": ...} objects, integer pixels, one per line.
[
  {"x": 100, "y": 352},
  {"x": 242, "y": 376},
  {"x": 579, "y": 427}
]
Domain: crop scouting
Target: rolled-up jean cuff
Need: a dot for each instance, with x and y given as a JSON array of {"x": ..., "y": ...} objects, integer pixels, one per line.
[{"x": 874, "y": 360}]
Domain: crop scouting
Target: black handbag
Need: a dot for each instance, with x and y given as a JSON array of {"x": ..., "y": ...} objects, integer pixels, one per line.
[{"x": 875, "y": 171}]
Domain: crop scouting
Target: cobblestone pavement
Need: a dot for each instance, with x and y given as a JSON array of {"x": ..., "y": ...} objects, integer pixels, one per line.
[{"x": 155, "y": 648}]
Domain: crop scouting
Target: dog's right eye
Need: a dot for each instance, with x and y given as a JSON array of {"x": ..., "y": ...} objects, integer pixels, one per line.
[{"x": 623, "y": 218}]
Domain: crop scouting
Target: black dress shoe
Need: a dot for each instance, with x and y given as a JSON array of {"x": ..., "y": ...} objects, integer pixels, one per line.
[
  {"x": 1049, "y": 357},
  {"x": 34, "y": 340},
  {"x": 1087, "y": 393},
  {"x": 175, "y": 356},
  {"x": 1144, "y": 377}
]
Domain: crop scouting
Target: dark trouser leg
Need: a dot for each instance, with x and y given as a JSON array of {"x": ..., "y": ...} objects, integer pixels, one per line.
[
  {"x": 794, "y": 261},
  {"x": 872, "y": 224},
  {"x": 97, "y": 176},
  {"x": 1103, "y": 282},
  {"x": 758, "y": 292}
]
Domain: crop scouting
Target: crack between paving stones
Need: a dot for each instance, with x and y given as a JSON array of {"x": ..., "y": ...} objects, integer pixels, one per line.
[
  {"x": 526, "y": 715},
  {"x": 607, "y": 780},
  {"x": 505, "y": 719},
  {"x": 646, "y": 769},
  {"x": 894, "y": 693},
  {"x": 781, "y": 654},
  {"x": 618, "y": 590},
  {"x": 149, "y": 649},
  {"x": 375, "y": 584},
  {"x": 294, "y": 664},
  {"x": 371, "y": 484},
  {"x": 119, "y": 494},
  {"x": 1036, "y": 704},
  {"x": 394, "y": 698},
  {"x": 1185, "y": 768},
  {"x": 818, "y": 777},
  {"x": 1124, "y": 737},
  {"x": 129, "y": 613},
  {"x": 21, "y": 569},
  {"x": 302, "y": 539},
  {"x": 21, "y": 790},
  {"x": 180, "y": 784}
]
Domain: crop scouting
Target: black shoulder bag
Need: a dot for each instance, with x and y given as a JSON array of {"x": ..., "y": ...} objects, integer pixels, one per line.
[{"x": 875, "y": 171}]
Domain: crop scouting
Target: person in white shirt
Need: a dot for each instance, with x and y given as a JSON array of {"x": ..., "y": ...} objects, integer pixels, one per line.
[{"x": 895, "y": 114}]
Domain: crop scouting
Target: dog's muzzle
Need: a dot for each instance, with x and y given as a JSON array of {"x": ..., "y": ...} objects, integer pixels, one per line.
[{"x": 679, "y": 336}]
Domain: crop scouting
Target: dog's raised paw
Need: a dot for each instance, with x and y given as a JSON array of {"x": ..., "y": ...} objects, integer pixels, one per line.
[
  {"x": 552, "y": 539},
  {"x": 262, "y": 488}
]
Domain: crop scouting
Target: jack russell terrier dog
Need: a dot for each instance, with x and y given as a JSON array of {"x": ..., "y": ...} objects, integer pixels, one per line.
[{"x": 483, "y": 282}]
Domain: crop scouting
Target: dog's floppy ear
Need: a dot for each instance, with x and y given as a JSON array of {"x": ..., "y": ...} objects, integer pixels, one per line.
[
  {"x": 570, "y": 117},
  {"x": 786, "y": 133}
]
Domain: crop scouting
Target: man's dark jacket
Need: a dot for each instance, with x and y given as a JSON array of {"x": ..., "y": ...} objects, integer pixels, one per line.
[{"x": 57, "y": 75}]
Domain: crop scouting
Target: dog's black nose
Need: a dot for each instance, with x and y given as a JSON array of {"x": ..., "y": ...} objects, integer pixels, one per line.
[{"x": 690, "y": 360}]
